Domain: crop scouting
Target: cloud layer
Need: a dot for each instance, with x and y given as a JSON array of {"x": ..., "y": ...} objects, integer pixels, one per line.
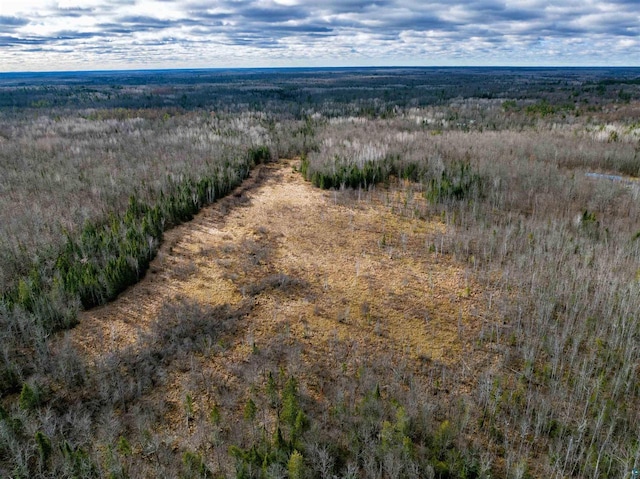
[{"x": 100, "y": 34}]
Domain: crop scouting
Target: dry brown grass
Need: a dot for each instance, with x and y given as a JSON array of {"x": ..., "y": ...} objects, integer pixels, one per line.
[{"x": 316, "y": 269}]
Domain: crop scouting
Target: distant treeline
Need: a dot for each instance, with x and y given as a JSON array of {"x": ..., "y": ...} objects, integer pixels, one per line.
[{"x": 368, "y": 91}]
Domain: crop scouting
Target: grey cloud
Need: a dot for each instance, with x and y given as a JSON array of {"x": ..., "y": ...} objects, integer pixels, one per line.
[
  {"x": 631, "y": 3},
  {"x": 9, "y": 41},
  {"x": 204, "y": 15},
  {"x": 10, "y": 24},
  {"x": 273, "y": 14},
  {"x": 76, "y": 35},
  {"x": 413, "y": 26},
  {"x": 249, "y": 13},
  {"x": 60, "y": 38},
  {"x": 114, "y": 29},
  {"x": 6, "y": 21},
  {"x": 142, "y": 22},
  {"x": 74, "y": 12},
  {"x": 380, "y": 17},
  {"x": 490, "y": 12},
  {"x": 353, "y": 6},
  {"x": 252, "y": 42},
  {"x": 420, "y": 22}
]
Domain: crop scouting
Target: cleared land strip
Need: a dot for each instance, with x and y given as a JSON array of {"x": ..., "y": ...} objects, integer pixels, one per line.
[{"x": 304, "y": 269}]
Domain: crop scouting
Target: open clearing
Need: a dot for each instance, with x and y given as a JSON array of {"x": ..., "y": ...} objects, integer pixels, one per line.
[{"x": 303, "y": 270}]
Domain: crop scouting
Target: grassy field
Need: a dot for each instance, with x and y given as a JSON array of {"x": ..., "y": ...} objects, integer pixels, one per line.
[{"x": 450, "y": 293}]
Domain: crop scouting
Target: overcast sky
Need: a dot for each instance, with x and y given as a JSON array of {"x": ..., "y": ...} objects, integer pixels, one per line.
[{"x": 123, "y": 34}]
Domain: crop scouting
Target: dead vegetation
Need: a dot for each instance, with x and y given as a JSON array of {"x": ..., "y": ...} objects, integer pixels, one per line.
[
  {"x": 461, "y": 303},
  {"x": 342, "y": 295}
]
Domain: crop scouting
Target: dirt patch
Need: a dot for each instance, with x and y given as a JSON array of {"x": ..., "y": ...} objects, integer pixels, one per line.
[{"x": 308, "y": 269}]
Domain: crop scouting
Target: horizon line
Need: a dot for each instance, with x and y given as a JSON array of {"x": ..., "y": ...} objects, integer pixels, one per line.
[{"x": 353, "y": 67}]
